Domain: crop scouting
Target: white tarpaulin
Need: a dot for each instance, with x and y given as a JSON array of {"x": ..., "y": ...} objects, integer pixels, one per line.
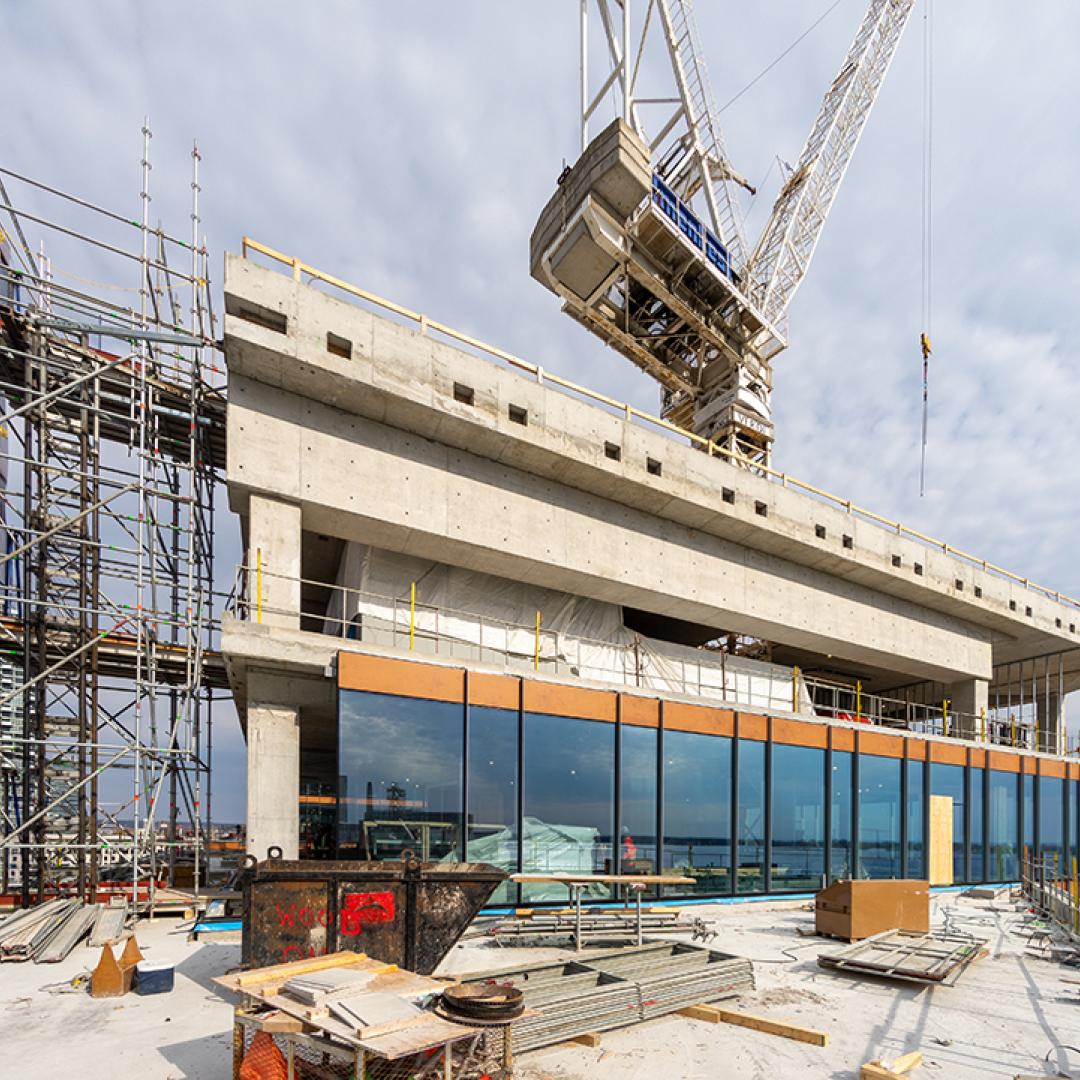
[{"x": 468, "y": 615}]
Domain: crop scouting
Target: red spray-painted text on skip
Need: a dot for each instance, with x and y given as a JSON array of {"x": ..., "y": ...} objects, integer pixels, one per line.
[{"x": 359, "y": 910}]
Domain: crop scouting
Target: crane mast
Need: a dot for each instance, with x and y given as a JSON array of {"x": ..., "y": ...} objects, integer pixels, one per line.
[{"x": 643, "y": 239}]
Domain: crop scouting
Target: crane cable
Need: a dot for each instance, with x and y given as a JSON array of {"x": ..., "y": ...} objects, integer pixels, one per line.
[{"x": 927, "y": 224}]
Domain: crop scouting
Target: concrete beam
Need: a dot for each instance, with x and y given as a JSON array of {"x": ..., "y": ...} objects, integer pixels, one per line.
[{"x": 968, "y": 702}]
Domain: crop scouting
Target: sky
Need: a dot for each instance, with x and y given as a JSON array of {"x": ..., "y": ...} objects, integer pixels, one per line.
[{"x": 409, "y": 147}]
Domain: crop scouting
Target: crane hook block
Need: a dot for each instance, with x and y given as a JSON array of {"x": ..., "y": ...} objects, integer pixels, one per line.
[{"x": 924, "y": 341}]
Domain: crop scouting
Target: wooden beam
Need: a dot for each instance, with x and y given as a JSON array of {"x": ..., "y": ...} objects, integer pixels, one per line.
[
  {"x": 714, "y": 1015},
  {"x": 591, "y": 1038},
  {"x": 297, "y": 967},
  {"x": 907, "y": 1062}
]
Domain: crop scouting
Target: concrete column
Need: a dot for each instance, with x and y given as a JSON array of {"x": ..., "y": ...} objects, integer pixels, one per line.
[
  {"x": 1048, "y": 720},
  {"x": 274, "y": 532},
  {"x": 968, "y": 700},
  {"x": 273, "y": 776}
]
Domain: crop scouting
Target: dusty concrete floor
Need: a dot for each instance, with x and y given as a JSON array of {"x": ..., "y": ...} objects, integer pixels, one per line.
[{"x": 1010, "y": 1013}]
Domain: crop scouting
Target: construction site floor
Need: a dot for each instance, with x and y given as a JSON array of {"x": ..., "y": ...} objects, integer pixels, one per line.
[{"x": 1010, "y": 1013}]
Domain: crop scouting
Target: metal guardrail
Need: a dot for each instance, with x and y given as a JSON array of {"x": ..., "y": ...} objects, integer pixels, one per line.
[
  {"x": 412, "y": 626},
  {"x": 631, "y": 413},
  {"x": 1053, "y": 888}
]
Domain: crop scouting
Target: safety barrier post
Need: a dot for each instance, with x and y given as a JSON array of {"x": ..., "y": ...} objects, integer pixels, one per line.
[
  {"x": 1075, "y": 898},
  {"x": 536, "y": 649},
  {"x": 412, "y": 615},
  {"x": 945, "y": 716},
  {"x": 794, "y": 689},
  {"x": 258, "y": 584},
  {"x": 858, "y": 699},
  {"x": 982, "y": 721}
]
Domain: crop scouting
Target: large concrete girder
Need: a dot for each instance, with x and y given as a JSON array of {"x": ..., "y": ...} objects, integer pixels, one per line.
[
  {"x": 406, "y": 380},
  {"x": 362, "y": 480}
]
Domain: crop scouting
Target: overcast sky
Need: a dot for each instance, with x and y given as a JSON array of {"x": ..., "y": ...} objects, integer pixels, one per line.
[{"x": 409, "y": 147}]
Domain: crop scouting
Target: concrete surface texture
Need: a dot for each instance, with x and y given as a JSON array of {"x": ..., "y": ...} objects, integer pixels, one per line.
[
  {"x": 1012, "y": 1012},
  {"x": 404, "y": 442}
]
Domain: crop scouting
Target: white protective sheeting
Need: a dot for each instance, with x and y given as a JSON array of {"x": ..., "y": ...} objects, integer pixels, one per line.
[{"x": 463, "y": 614}]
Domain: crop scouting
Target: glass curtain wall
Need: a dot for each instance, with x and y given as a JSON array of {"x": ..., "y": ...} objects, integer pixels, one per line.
[
  {"x": 493, "y": 792},
  {"x": 879, "y": 816},
  {"x": 750, "y": 831},
  {"x": 948, "y": 781},
  {"x": 697, "y": 810},
  {"x": 1051, "y": 818},
  {"x": 637, "y": 826},
  {"x": 569, "y": 793},
  {"x": 798, "y": 818},
  {"x": 842, "y": 863},
  {"x": 975, "y": 801},
  {"x": 399, "y": 783},
  {"x": 1004, "y": 863},
  {"x": 1029, "y": 816},
  {"x": 916, "y": 818}
]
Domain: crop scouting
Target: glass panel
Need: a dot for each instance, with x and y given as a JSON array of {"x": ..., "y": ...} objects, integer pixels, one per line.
[
  {"x": 1051, "y": 808},
  {"x": 569, "y": 801},
  {"x": 948, "y": 780},
  {"x": 798, "y": 818},
  {"x": 1074, "y": 840},
  {"x": 840, "y": 794},
  {"x": 750, "y": 834},
  {"x": 492, "y": 812},
  {"x": 1029, "y": 815},
  {"x": 977, "y": 869},
  {"x": 916, "y": 816},
  {"x": 637, "y": 831},
  {"x": 697, "y": 810},
  {"x": 879, "y": 816},
  {"x": 1004, "y": 865},
  {"x": 318, "y": 818},
  {"x": 400, "y": 777}
]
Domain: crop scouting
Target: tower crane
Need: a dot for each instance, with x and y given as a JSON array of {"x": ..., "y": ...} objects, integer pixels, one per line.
[{"x": 643, "y": 239}]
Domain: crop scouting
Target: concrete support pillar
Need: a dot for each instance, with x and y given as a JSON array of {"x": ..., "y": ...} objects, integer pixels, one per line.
[
  {"x": 1048, "y": 721},
  {"x": 968, "y": 701},
  {"x": 274, "y": 532},
  {"x": 273, "y": 775}
]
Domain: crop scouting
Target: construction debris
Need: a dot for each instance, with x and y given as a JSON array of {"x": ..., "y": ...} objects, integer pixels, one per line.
[
  {"x": 47, "y": 933},
  {"x": 109, "y": 926},
  {"x": 900, "y": 954}
]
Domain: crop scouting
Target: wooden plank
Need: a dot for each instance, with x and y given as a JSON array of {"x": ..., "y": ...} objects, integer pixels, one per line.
[
  {"x": 941, "y": 840},
  {"x": 297, "y": 967},
  {"x": 907, "y": 1062},
  {"x": 874, "y": 1070},
  {"x": 714, "y": 1015},
  {"x": 590, "y": 1038}
]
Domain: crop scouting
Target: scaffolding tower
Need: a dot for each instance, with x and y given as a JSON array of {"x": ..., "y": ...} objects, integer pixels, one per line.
[{"x": 113, "y": 441}]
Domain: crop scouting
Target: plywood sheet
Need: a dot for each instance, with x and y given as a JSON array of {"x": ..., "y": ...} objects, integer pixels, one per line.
[{"x": 941, "y": 840}]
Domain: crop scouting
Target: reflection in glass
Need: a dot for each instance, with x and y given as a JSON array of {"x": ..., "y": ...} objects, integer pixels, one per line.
[
  {"x": 569, "y": 801},
  {"x": 1004, "y": 807},
  {"x": 400, "y": 777},
  {"x": 1029, "y": 815},
  {"x": 948, "y": 781},
  {"x": 697, "y": 810},
  {"x": 879, "y": 816},
  {"x": 492, "y": 811},
  {"x": 976, "y": 824},
  {"x": 840, "y": 794},
  {"x": 1051, "y": 809},
  {"x": 916, "y": 814},
  {"x": 637, "y": 830},
  {"x": 798, "y": 817},
  {"x": 750, "y": 832}
]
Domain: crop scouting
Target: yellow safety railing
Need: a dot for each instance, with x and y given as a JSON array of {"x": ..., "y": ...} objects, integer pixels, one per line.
[{"x": 630, "y": 412}]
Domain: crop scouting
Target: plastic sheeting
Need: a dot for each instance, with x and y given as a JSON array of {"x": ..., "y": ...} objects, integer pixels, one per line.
[{"x": 472, "y": 616}]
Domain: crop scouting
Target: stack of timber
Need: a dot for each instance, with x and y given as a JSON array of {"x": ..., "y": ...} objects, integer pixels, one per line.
[
  {"x": 939, "y": 958},
  {"x": 47, "y": 933},
  {"x": 616, "y": 988}
]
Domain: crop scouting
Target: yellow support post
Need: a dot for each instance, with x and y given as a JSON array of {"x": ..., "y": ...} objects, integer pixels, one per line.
[
  {"x": 1012, "y": 729},
  {"x": 945, "y": 716},
  {"x": 858, "y": 699},
  {"x": 982, "y": 722},
  {"x": 794, "y": 689},
  {"x": 412, "y": 615},
  {"x": 536, "y": 648},
  {"x": 1075, "y": 898},
  {"x": 258, "y": 584}
]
